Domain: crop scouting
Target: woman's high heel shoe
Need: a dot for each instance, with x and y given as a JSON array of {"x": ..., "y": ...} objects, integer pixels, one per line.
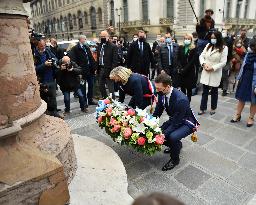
[
  {"x": 236, "y": 119},
  {"x": 250, "y": 124}
]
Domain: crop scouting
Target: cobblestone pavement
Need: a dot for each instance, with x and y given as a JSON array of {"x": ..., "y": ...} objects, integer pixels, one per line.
[{"x": 218, "y": 169}]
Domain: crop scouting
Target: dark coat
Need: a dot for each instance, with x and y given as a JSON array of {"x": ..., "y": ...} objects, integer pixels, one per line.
[
  {"x": 58, "y": 52},
  {"x": 136, "y": 62},
  {"x": 69, "y": 80},
  {"x": 178, "y": 111},
  {"x": 40, "y": 66},
  {"x": 137, "y": 86},
  {"x": 79, "y": 56},
  {"x": 203, "y": 31},
  {"x": 187, "y": 68},
  {"x": 110, "y": 58},
  {"x": 164, "y": 59}
]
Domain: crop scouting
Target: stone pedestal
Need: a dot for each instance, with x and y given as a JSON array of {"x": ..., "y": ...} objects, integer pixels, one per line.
[{"x": 36, "y": 151}]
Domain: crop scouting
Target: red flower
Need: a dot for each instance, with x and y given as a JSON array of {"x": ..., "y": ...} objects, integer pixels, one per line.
[
  {"x": 131, "y": 112},
  {"x": 116, "y": 128},
  {"x": 141, "y": 141},
  {"x": 106, "y": 101},
  {"x": 109, "y": 111},
  {"x": 159, "y": 139},
  {"x": 142, "y": 119},
  {"x": 127, "y": 133},
  {"x": 100, "y": 119},
  {"x": 113, "y": 121}
]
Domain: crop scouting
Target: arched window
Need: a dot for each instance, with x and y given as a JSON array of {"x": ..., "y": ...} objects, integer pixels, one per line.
[
  {"x": 54, "y": 28},
  {"x": 144, "y": 10},
  {"x": 100, "y": 15},
  {"x": 125, "y": 6},
  {"x": 170, "y": 8},
  {"x": 53, "y": 6},
  {"x": 60, "y": 3},
  {"x": 65, "y": 24},
  {"x": 246, "y": 8},
  {"x": 112, "y": 13},
  {"x": 93, "y": 18},
  {"x": 67, "y": 1},
  {"x": 202, "y": 7},
  {"x": 75, "y": 20},
  {"x": 62, "y": 24},
  {"x": 80, "y": 19},
  {"x": 38, "y": 28},
  {"x": 49, "y": 6},
  {"x": 70, "y": 22},
  {"x": 85, "y": 18},
  {"x": 58, "y": 25},
  {"x": 238, "y": 8}
]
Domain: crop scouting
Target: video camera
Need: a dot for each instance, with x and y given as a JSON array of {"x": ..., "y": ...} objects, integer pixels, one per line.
[{"x": 36, "y": 36}]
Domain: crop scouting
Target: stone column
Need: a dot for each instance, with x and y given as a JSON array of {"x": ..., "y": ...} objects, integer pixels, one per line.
[{"x": 36, "y": 151}]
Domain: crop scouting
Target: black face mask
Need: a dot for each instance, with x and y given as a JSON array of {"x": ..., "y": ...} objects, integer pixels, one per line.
[
  {"x": 160, "y": 93},
  {"x": 103, "y": 40},
  {"x": 141, "y": 39}
]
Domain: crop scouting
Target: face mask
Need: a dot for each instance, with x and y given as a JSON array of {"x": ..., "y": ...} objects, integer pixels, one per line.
[
  {"x": 135, "y": 39},
  {"x": 160, "y": 93},
  {"x": 187, "y": 42},
  {"x": 239, "y": 45},
  {"x": 168, "y": 40},
  {"x": 141, "y": 39},
  {"x": 224, "y": 35},
  {"x": 93, "y": 49},
  {"x": 103, "y": 40},
  {"x": 213, "y": 41}
]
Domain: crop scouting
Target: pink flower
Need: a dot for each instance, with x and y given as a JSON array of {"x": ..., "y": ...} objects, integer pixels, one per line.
[
  {"x": 141, "y": 141},
  {"x": 100, "y": 119},
  {"x": 142, "y": 119},
  {"x": 127, "y": 132},
  {"x": 159, "y": 139},
  {"x": 112, "y": 121},
  {"x": 109, "y": 111},
  {"x": 131, "y": 112},
  {"x": 106, "y": 101},
  {"x": 116, "y": 128}
]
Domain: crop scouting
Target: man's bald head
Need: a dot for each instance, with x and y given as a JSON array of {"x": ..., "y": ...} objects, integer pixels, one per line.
[{"x": 65, "y": 60}]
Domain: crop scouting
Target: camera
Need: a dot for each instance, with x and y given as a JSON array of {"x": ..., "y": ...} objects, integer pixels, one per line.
[
  {"x": 68, "y": 66},
  {"x": 54, "y": 62},
  {"x": 36, "y": 36}
]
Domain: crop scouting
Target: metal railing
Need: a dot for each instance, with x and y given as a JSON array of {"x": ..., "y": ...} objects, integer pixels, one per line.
[{"x": 136, "y": 23}]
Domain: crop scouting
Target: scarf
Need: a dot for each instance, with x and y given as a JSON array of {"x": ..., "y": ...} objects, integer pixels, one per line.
[
  {"x": 186, "y": 49},
  {"x": 239, "y": 51}
]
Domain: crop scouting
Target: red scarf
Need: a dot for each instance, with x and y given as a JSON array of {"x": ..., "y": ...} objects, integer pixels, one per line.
[{"x": 239, "y": 51}]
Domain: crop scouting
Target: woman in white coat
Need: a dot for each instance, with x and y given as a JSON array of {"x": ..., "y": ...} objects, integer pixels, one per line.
[{"x": 213, "y": 59}]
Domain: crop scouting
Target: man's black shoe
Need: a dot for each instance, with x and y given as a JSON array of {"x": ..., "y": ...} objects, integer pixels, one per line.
[
  {"x": 167, "y": 150},
  {"x": 92, "y": 103},
  {"x": 170, "y": 165}
]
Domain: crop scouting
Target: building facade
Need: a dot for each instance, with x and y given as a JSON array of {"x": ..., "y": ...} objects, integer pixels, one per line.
[{"x": 67, "y": 19}]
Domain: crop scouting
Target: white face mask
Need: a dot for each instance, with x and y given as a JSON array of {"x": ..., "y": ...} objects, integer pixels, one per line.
[
  {"x": 249, "y": 50},
  {"x": 213, "y": 41},
  {"x": 135, "y": 39},
  {"x": 187, "y": 42},
  {"x": 224, "y": 35}
]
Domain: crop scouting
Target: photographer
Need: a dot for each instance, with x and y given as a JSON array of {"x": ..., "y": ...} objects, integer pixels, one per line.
[
  {"x": 46, "y": 66},
  {"x": 69, "y": 80}
]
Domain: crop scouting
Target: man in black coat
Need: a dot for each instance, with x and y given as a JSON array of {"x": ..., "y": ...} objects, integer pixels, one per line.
[
  {"x": 140, "y": 56},
  {"x": 68, "y": 79},
  {"x": 107, "y": 60},
  {"x": 57, "y": 51},
  {"x": 167, "y": 60},
  {"x": 82, "y": 56}
]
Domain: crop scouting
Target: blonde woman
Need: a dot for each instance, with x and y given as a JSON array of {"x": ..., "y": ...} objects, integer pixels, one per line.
[
  {"x": 136, "y": 85},
  {"x": 187, "y": 70}
]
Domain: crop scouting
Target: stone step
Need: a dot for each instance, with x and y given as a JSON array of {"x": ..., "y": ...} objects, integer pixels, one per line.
[{"x": 100, "y": 178}]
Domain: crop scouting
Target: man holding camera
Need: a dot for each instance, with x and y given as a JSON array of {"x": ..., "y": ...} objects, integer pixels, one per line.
[
  {"x": 46, "y": 66},
  {"x": 69, "y": 80}
]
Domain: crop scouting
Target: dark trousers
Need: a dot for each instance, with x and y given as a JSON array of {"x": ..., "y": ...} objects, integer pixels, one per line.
[
  {"x": 110, "y": 84},
  {"x": 67, "y": 99},
  {"x": 50, "y": 96},
  {"x": 214, "y": 97},
  {"x": 173, "y": 140},
  {"x": 90, "y": 81},
  {"x": 187, "y": 91}
]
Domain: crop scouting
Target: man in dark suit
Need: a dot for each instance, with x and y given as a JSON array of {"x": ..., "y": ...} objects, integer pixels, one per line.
[
  {"x": 107, "y": 60},
  {"x": 182, "y": 121},
  {"x": 140, "y": 56},
  {"x": 57, "y": 51},
  {"x": 82, "y": 56},
  {"x": 167, "y": 60}
]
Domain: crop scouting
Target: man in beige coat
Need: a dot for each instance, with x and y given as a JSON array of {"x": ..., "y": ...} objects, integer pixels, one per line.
[{"x": 213, "y": 59}]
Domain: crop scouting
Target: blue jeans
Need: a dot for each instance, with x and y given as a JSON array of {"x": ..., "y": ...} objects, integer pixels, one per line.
[{"x": 67, "y": 99}]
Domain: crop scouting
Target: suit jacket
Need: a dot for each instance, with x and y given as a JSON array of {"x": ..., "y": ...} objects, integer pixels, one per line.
[
  {"x": 137, "y": 86},
  {"x": 136, "y": 62},
  {"x": 110, "y": 58},
  {"x": 178, "y": 109},
  {"x": 164, "y": 58},
  {"x": 217, "y": 60},
  {"x": 79, "y": 56}
]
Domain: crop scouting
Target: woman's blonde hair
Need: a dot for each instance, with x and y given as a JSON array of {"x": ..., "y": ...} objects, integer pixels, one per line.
[
  {"x": 70, "y": 46},
  {"x": 122, "y": 72},
  {"x": 192, "y": 45}
]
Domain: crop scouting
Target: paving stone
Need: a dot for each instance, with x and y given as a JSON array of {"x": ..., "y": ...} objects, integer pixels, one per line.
[
  {"x": 232, "y": 100},
  {"x": 240, "y": 125},
  {"x": 155, "y": 182},
  {"x": 133, "y": 191},
  {"x": 234, "y": 135},
  {"x": 248, "y": 161},
  {"x": 245, "y": 179},
  {"x": 209, "y": 126},
  {"x": 191, "y": 199},
  {"x": 252, "y": 146},
  {"x": 210, "y": 161},
  {"x": 136, "y": 169},
  {"x": 219, "y": 192},
  {"x": 192, "y": 177},
  {"x": 203, "y": 138},
  {"x": 218, "y": 116},
  {"x": 226, "y": 150},
  {"x": 86, "y": 131}
]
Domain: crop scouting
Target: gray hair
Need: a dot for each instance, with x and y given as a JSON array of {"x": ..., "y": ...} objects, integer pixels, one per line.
[{"x": 81, "y": 36}]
